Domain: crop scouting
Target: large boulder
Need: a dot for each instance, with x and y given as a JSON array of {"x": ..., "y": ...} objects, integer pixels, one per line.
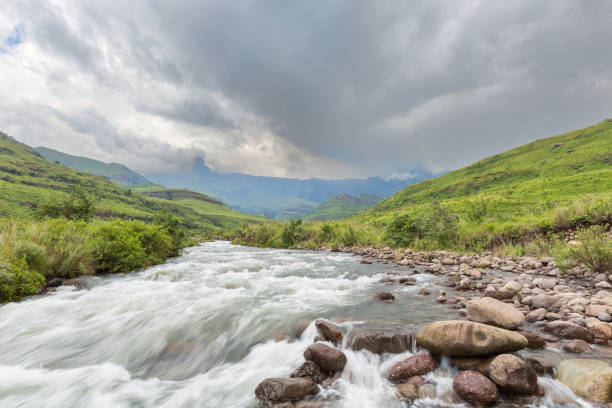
[
  {"x": 491, "y": 311},
  {"x": 460, "y": 338},
  {"x": 599, "y": 329},
  {"x": 383, "y": 343},
  {"x": 568, "y": 330},
  {"x": 327, "y": 358},
  {"x": 511, "y": 374},
  {"x": 591, "y": 379},
  {"x": 577, "y": 346},
  {"x": 416, "y": 365},
  {"x": 329, "y": 331},
  {"x": 475, "y": 387},
  {"x": 285, "y": 389}
]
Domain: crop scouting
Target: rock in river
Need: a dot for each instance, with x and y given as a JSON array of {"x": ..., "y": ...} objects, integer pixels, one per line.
[
  {"x": 475, "y": 387},
  {"x": 285, "y": 389},
  {"x": 568, "y": 330},
  {"x": 491, "y": 311},
  {"x": 329, "y": 331},
  {"x": 460, "y": 338},
  {"x": 415, "y": 365},
  {"x": 327, "y": 358},
  {"x": 591, "y": 379},
  {"x": 384, "y": 297},
  {"x": 511, "y": 374},
  {"x": 309, "y": 370},
  {"x": 383, "y": 343}
]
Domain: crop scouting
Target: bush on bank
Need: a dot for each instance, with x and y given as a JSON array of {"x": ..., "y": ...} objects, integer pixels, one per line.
[{"x": 34, "y": 252}]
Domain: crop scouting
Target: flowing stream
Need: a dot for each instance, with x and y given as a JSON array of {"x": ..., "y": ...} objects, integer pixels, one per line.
[{"x": 203, "y": 329}]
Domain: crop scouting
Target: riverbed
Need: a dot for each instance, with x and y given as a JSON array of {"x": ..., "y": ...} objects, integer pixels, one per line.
[{"x": 203, "y": 329}]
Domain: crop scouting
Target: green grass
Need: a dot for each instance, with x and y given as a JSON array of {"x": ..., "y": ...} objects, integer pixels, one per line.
[
  {"x": 27, "y": 180},
  {"x": 542, "y": 187},
  {"x": 341, "y": 206}
]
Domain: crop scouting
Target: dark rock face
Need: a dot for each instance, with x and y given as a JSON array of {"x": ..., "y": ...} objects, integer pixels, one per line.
[
  {"x": 285, "y": 389},
  {"x": 475, "y": 387},
  {"x": 327, "y": 358},
  {"x": 329, "y": 331},
  {"x": 568, "y": 330},
  {"x": 415, "y": 365},
  {"x": 542, "y": 365},
  {"x": 384, "y": 297},
  {"x": 511, "y": 374},
  {"x": 383, "y": 343},
  {"x": 309, "y": 370}
]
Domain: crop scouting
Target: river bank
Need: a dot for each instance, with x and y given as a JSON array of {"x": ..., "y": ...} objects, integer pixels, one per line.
[{"x": 557, "y": 320}]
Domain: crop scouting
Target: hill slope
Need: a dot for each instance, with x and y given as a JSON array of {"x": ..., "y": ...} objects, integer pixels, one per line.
[
  {"x": 276, "y": 197},
  {"x": 116, "y": 172},
  {"x": 341, "y": 206},
  {"x": 523, "y": 186},
  {"x": 27, "y": 180}
]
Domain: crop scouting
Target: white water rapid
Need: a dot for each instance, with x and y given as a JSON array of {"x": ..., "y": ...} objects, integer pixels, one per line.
[{"x": 203, "y": 329}]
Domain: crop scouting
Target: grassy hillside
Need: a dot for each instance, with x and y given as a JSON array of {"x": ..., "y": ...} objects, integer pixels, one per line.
[
  {"x": 341, "y": 206},
  {"x": 27, "y": 180},
  {"x": 523, "y": 187},
  {"x": 112, "y": 171},
  {"x": 543, "y": 187}
]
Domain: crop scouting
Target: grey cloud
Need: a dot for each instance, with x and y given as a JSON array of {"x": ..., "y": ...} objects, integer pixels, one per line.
[{"x": 384, "y": 86}]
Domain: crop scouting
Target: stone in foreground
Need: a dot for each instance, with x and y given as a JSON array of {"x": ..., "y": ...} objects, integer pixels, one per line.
[
  {"x": 285, "y": 389},
  {"x": 458, "y": 338},
  {"x": 491, "y": 311},
  {"x": 475, "y": 387},
  {"x": 329, "y": 331},
  {"x": 419, "y": 364},
  {"x": 327, "y": 358},
  {"x": 511, "y": 374},
  {"x": 591, "y": 379},
  {"x": 383, "y": 343}
]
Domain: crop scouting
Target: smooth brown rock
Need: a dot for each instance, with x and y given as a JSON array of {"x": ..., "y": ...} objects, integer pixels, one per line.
[
  {"x": 542, "y": 365},
  {"x": 416, "y": 380},
  {"x": 460, "y": 338},
  {"x": 467, "y": 363},
  {"x": 599, "y": 329},
  {"x": 309, "y": 370},
  {"x": 511, "y": 374},
  {"x": 591, "y": 379},
  {"x": 577, "y": 346},
  {"x": 416, "y": 365},
  {"x": 383, "y": 343},
  {"x": 327, "y": 358},
  {"x": 494, "y": 312},
  {"x": 475, "y": 387},
  {"x": 329, "y": 331},
  {"x": 536, "y": 315},
  {"x": 285, "y": 389},
  {"x": 568, "y": 330}
]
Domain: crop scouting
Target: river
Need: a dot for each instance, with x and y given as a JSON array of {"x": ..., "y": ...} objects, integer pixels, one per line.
[{"x": 203, "y": 329}]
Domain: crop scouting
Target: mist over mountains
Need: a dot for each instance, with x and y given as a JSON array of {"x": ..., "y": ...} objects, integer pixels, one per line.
[{"x": 278, "y": 197}]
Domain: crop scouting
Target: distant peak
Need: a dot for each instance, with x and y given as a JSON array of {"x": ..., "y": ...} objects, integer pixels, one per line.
[{"x": 200, "y": 166}]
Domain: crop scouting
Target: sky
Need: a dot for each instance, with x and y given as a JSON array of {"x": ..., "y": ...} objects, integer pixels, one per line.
[{"x": 329, "y": 88}]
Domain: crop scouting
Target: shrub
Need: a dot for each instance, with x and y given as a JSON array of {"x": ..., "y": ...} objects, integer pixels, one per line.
[
  {"x": 349, "y": 237},
  {"x": 293, "y": 233},
  {"x": 594, "y": 249},
  {"x": 172, "y": 226},
  {"x": 326, "y": 233},
  {"x": 33, "y": 254},
  {"x": 16, "y": 281},
  {"x": 477, "y": 210},
  {"x": 78, "y": 206},
  {"x": 435, "y": 227}
]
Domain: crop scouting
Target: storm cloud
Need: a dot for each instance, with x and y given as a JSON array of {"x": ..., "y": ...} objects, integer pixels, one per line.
[{"x": 301, "y": 89}]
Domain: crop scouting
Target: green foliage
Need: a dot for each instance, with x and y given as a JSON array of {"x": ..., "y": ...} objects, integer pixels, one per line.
[
  {"x": 172, "y": 226},
  {"x": 435, "y": 227},
  {"x": 77, "y": 206},
  {"x": 293, "y": 233},
  {"x": 341, "y": 206},
  {"x": 594, "y": 249},
  {"x": 327, "y": 233},
  {"x": 350, "y": 237},
  {"x": 122, "y": 246},
  {"x": 477, "y": 210},
  {"x": 33, "y": 254},
  {"x": 17, "y": 281}
]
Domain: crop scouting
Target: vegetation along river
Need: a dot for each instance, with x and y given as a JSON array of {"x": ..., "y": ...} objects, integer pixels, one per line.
[{"x": 204, "y": 329}]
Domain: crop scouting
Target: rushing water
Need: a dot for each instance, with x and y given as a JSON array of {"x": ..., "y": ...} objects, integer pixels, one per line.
[{"x": 202, "y": 330}]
